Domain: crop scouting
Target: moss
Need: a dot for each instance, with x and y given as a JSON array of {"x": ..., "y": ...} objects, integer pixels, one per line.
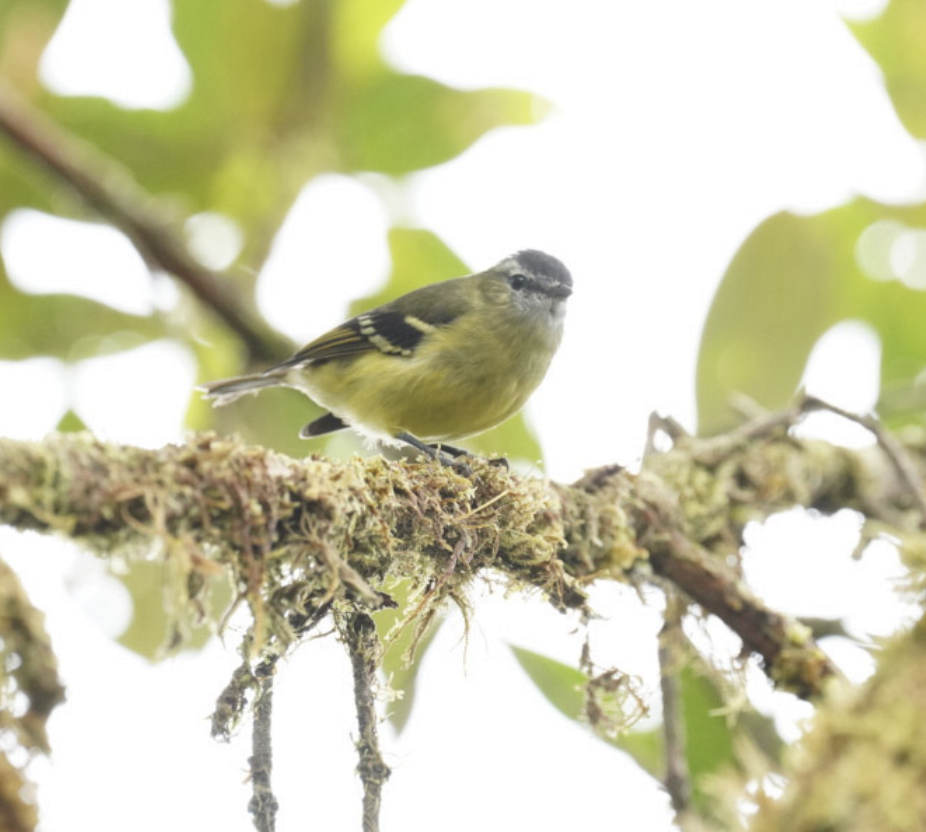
[{"x": 862, "y": 765}]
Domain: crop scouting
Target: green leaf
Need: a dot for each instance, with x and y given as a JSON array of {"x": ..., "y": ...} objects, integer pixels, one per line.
[
  {"x": 272, "y": 419},
  {"x": 66, "y": 326},
  {"x": 709, "y": 737},
  {"x": 26, "y": 26},
  {"x": 399, "y": 668},
  {"x": 306, "y": 92},
  {"x": 397, "y": 123},
  {"x": 147, "y": 632},
  {"x": 795, "y": 277},
  {"x": 895, "y": 40},
  {"x": 355, "y": 32},
  {"x": 562, "y": 684},
  {"x": 153, "y": 631},
  {"x": 564, "y": 688},
  {"x": 419, "y": 257},
  {"x": 512, "y": 439},
  {"x": 248, "y": 137},
  {"x": 70, "y": 422}
]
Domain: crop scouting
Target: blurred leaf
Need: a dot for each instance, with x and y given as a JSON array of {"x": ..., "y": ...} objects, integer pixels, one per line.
[
  {"x": 148, "y": 631},
  {"x": 271, "y": 419},
  {"x": 151, "y": 631},
  {"x": 306, "y": 92},
  {"x": 646, "y": 747},
  {"x": 33, "y": 325},
  {"x": 244, "y": 141},
  {"x": 709, "y": 738},
  {"x": 561, "y": 684},
  {"x": 419, "y": 257},
  {"x": 512, "y": 439},
  {"x": 895, "y": 40},
  {"x": 355, "y": 33},
  {"x": 400, "y": 123},
  {"x": 70, "y": 422},
  {"x": 403, "y": 675},
  {"x": 26, "y": 26},
  {"x": 795, "y": 277},
  {"x": 564, "y": 688},
  {"x": 826, "y": 628}
]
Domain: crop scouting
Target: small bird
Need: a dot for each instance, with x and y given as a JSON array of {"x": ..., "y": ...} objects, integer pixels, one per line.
[{"x": 438, "y": 364}]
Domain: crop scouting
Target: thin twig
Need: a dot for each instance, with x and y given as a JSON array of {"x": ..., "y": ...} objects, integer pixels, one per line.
[
  {"x": 109, "y": 188},
  {"x": 899, "y": 458},
  {"x": 359, "y": 634},
  {"x": 791, "y": 657},
  {"x": 263, "y": 806},
  {"x": 661, "y": 424},
  {"x": 676, "y": 779},
  {"x": 765, "y": 425}
]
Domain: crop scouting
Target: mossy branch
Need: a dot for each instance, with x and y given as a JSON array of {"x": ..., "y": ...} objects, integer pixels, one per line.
[
  {"x": 297, "y": 534},
  {"x": 358, "y": 631},
  {"x": 862, "y": 764},
  {"x": 28, "y": 678}
]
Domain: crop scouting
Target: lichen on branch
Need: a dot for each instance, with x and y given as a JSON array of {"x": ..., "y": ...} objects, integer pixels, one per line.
[
  {"x": 293, "y": 534},
  {"x": 297, "y": 535}
]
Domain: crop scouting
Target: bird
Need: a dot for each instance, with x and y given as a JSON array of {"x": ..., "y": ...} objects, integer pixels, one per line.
[{"x": 441, "y": 363}]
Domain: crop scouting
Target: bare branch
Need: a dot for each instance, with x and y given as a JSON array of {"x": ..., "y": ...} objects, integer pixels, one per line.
[
  {"x": 671, "y": 649},
  {"x": 359, "y": 634},
  {"x": 790, "y": 655},
  {"x": 895, "y": 452},
  {"x": 108, "y": 188},
  {"x": 263, "y": 805}
]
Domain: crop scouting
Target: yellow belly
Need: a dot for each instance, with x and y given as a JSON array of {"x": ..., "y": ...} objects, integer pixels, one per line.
[{"x": 444, "y": 392}]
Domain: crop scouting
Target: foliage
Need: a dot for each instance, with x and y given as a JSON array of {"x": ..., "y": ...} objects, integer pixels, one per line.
[
  {"x": 796, "y": 276},
  {"x": 308, "y": 93}
]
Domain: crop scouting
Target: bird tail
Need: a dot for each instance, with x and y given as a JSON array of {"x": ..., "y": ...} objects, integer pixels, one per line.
[{"x": 227, "y": 390}]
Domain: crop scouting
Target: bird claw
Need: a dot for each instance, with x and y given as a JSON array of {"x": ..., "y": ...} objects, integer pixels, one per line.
[{"x": 461, "y": 468}]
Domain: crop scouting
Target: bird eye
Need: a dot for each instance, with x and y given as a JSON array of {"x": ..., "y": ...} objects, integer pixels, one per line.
[{"x": 517, "y": 281}]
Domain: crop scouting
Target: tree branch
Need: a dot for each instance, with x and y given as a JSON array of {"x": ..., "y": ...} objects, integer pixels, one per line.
[
  {"x": 359, "y": 634},
  {"x": 677, "y": 779},
  {"x": 108, "y": 188},
  {"x": 263, "y": 805},
  {"x": 215, "y": 503},
  {"x": 29, "y": 691},
  {"x": 860, "y": 766}
]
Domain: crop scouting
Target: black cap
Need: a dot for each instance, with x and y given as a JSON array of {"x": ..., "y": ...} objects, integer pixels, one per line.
[{"x": 539, "y": 263}]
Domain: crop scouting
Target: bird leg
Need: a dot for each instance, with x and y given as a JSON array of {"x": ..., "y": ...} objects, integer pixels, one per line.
[{"x": 444, "y": 454}]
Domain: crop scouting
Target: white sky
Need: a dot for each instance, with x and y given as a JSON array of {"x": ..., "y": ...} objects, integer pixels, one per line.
[{"x": 677, "y": 128}]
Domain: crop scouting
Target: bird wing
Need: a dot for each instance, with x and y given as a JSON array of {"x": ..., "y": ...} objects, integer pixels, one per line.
[{"x": 385, "y": 328}]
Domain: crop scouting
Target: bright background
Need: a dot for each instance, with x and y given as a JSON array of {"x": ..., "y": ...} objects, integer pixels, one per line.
[{"x": 675, "y": 129}]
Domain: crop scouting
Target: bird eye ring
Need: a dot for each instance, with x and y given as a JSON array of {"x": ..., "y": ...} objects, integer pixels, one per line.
[{"x": 517, "y": 281}]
